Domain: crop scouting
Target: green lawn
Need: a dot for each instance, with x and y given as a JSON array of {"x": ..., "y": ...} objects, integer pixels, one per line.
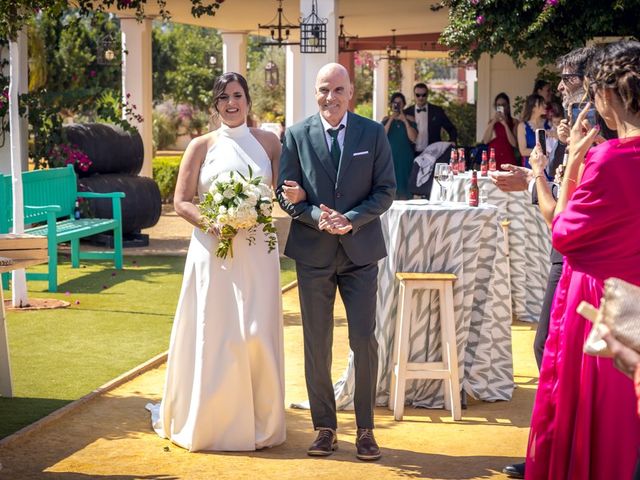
[{"x": 117, "y": 320}]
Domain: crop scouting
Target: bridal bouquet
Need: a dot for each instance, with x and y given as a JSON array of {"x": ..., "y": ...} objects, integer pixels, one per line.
[{"x": 235, "y": 201}]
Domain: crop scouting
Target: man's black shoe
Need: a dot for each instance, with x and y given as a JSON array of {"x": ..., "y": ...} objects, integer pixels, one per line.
[
  {"x": 325, "y": 444},
  {"x": 366, "y": 446},
  {"x": 514, "y": 471}
]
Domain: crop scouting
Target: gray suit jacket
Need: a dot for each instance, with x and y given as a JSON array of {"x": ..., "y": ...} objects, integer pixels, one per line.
[{"x": 362, "y": 190}]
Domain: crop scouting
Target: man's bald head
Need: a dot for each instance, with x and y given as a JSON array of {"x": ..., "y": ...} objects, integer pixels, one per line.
[{"x": 333, "y": 92}]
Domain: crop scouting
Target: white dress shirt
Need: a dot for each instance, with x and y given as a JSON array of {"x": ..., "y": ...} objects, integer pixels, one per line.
[
  {"x": 341, "y": 133},
  {"x": 422, "y": 122}
]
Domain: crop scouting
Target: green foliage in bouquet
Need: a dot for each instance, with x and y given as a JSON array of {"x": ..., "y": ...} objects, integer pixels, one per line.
[{"x": 238, "y": 202}]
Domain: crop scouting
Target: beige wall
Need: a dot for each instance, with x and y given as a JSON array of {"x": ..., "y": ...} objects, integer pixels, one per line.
[{"x": 499, "y": 74}]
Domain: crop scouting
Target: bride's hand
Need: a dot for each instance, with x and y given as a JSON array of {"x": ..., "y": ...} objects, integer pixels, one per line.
[
  {"x": 218, "y": 231},
  {"x": 293, "y": 192}
]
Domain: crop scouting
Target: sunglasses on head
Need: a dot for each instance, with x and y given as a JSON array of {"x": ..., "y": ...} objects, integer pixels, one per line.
[{"x": 565, "y": 77}]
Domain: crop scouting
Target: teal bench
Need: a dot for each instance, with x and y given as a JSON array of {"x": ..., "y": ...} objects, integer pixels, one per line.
[{"x": 49, "y": 200}]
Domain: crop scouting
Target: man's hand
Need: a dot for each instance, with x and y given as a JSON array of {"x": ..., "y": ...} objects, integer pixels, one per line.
[
  {"x": 563, "y": 131},
  {"x": 515, "y": 179},
  {"x": 333, "y": 221},
  {"x": 293, "y": 192}
]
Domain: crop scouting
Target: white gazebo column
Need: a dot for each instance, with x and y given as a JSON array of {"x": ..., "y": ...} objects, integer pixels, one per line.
[
  {"x": 234, "y": 52},
  {"x": 137, "y": 81},
  {"x": 295, "y": 89},
  {"x": 380, "y": 89},
  {"x": 303, "y": 68},
  {"x": 408, "y": 78}
]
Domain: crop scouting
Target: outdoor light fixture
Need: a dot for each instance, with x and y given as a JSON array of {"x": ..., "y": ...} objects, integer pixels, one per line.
[
  {"x": 313, "y": 32},
  {"x": 271, "y": 74},
  {"x": 280, "y": 31},
  {"x": 393, "y": 50},
  {"x": 344, "y": 39},
  {"x": 211, "y": 59},
  {"x": 106, "y": 50}
]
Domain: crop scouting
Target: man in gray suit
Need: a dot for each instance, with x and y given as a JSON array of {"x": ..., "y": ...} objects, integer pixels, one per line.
[{"x": 336, "y": 179}]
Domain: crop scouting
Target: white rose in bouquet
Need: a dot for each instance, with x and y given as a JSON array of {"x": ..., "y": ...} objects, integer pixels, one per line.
[{"x": 236, "y": 201}]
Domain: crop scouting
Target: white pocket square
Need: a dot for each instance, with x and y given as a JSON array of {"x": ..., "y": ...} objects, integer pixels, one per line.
[{"x": 357, "y": 154}]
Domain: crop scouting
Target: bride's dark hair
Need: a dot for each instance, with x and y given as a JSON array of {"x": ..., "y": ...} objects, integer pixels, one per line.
[{"x": 221, "y": 83}]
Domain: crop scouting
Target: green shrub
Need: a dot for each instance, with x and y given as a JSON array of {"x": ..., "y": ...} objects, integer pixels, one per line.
[
  {"x": 164, "y": 131},
  {"x": 463, "y": 116},
  {"x": 165, "y": 173},
  {"x": 365, "y": 109}
]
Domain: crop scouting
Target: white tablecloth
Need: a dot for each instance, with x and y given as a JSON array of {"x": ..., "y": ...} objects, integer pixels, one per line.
[
  {"x": 454, "y": 238},
  {"x": 529, "y": 242}
]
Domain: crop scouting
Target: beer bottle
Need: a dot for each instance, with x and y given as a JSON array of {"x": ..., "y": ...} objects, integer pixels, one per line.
[
  {"x": 484, "y": 167},
  {"x": 462, "y": 163},
  {"x": 492, "y": 160},
  {"x": 474, "y": 191},
  {"x": 453, "y": 162}
]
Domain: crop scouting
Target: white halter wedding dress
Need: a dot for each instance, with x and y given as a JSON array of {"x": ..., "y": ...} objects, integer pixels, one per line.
[{"x": 224, "y": 388}]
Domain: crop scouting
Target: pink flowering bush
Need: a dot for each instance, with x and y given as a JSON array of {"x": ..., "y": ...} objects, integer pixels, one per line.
[{"x": 66, "y": 154}]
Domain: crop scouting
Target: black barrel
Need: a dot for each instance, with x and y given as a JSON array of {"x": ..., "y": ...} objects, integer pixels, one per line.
[
  {"x": 110, "y": 148},
  {"x": 141, "y": 207}
]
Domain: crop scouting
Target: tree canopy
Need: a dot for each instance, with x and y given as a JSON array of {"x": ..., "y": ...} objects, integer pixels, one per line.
[
  {"x": 15, "y": 13},
  {"x": 525, "y": 29}
]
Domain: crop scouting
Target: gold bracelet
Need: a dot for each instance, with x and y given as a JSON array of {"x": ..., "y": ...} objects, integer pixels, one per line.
[
  {"x": 537, "y": 177},
  {"x": 571, "y": 180}
]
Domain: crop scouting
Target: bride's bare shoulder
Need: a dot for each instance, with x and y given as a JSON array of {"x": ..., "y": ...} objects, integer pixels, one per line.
[
  {"x": 199, "y": 146},
  {"x": 269, "y": 140}
]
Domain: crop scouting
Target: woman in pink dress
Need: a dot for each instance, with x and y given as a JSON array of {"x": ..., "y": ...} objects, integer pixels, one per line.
[{"x": 583, "y": 424}]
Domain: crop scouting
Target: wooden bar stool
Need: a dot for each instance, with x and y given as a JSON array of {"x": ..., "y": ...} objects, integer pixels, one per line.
[{"x": 447, "y": 369}]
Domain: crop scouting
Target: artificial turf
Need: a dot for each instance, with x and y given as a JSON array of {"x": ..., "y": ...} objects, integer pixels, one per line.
[{"x": 117, "y": 320}]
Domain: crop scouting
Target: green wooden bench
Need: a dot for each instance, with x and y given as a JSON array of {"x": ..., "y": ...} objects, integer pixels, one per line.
[{"x": 49, "y": 200}]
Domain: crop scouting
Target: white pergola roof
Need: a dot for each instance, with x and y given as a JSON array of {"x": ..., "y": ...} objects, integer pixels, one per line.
[{"x": 364, "y": 18}]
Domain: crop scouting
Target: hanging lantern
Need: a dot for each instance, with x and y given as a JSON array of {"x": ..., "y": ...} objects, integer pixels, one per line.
[
  {"x": 107, "y": 50},
  {"x": 313, "y": 32},
  {"x": 271, "y": 74}
]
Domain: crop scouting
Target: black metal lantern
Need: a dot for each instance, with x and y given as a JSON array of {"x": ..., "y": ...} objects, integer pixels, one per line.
[
  {"x": 344, "y": 39},
  {"x": 279, "y": 32},
  {"x": 271, "y": 74},
  {"x": 313, "y": 32},
  {"x": 393, "y": 50},
  {"x": 107, "y": 50},
  {"x": 210, "y": 59}
]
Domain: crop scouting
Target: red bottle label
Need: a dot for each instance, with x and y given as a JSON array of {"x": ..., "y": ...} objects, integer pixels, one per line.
[{"x": 473, "y": 197}]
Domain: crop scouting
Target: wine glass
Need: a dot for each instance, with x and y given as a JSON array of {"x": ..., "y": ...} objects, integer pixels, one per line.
[{"x": 442, "y": 175}]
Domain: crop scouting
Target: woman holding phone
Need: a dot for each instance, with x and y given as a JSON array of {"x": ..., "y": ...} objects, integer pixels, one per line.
[
  {"x": 584, "y": 423},
  {"x": 500, "y": 133},
  {"x": 402, "y": 132},
  {"x": 533, "y": 118}
]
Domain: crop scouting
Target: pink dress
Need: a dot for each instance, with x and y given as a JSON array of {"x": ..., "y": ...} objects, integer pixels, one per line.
[{"x": 584, "y": 423}]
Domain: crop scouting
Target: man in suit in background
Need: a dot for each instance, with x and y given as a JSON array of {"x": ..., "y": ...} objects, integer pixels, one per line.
[
  {"x": 430, "y": 118},
  {"x": 336, "y": 179}
]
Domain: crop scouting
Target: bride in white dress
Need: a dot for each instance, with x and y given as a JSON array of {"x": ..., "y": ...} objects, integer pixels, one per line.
[{"x": 224, "y": 388}]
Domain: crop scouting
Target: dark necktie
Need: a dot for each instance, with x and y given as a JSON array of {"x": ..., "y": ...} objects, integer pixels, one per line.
[
  {"x": 335, "y": 146},
  {"x": 418, "y": 110}
]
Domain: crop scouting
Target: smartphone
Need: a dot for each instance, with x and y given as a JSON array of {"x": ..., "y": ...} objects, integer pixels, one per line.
[
  {"x": 576, "y": 108},
  {"x": 500, "y": 109},
  {"x": 395, "y": 107},
  {"x": 541, "y": 139}
]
